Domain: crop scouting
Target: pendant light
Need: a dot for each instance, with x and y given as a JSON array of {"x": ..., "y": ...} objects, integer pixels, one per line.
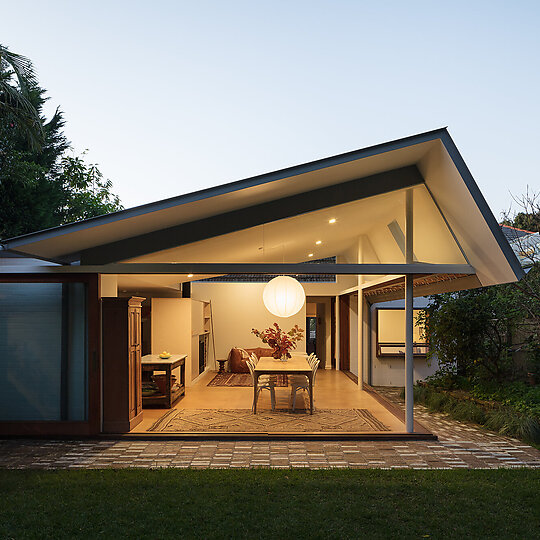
[{"x": 283, "y": 296}]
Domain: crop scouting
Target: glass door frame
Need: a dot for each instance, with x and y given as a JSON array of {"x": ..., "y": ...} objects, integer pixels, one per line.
[{"x": 92, "y": 425}]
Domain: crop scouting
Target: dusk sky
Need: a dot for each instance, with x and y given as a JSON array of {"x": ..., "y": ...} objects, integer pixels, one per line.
[{"x": 172, "y": 97}]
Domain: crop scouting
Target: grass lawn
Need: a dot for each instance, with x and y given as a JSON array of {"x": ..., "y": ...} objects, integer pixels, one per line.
[{"x": 260, "y": 503}]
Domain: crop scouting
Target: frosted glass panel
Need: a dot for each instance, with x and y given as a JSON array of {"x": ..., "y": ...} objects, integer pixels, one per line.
[{"x": 43, "y": 365}]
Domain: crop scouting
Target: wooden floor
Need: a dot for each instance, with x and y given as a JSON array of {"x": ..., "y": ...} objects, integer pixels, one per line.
[{"x": 333, "y": 390}]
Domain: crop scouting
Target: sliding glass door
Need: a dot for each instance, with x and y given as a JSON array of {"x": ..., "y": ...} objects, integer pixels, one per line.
[{"x": 48, "y": 355}]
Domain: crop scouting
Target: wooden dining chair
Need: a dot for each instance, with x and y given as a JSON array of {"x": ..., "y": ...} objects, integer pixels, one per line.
[{"x": 264, "y": 382}]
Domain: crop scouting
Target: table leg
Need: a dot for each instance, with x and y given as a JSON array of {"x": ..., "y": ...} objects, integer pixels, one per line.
[
  {"x": 168, "y": 372},
  {"x": 310, "y": 379},
  {"x": 255, "y": 386}
]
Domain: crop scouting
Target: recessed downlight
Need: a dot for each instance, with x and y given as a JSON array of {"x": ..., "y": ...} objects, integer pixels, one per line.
[
  {"x": 310, "y": 254},
  {"x": 190, "y": 275},
  {"x": 318, "y": 242},
  {"x": 333, "y": 220}
]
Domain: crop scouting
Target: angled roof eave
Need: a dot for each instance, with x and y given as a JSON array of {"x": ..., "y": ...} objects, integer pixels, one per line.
[
  {"x": 13, "y": 243},
  {"x": 30, "y": 243},
  {"x": 482, "y": 205}
]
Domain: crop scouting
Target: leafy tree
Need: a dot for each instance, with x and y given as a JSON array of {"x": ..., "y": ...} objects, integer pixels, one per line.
[
  {"x": 470, "y": 332},
  {"x": 41, "y": 185},
  {"x": 87, "y": 194},
  {"x": 477, "y": 332},
  {"x": 17, "y": 79}
]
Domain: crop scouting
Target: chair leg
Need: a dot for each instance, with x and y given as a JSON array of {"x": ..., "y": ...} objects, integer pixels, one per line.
[
  {"x": 255, "y": 400},
  {"x": 273, "y": 397}
]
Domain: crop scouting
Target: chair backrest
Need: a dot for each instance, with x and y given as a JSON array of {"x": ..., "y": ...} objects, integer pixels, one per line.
[
  {"x": 254, "y": 358},
  {"x": 251, "y": 367},
  {"x": 315, "y": 366},
  {"x": 244, "y": 353},
  {"x": 311, "y": 359}
]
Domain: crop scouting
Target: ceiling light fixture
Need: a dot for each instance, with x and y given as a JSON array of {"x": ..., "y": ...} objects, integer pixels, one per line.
[
  {"x": 310, "y": 254},
  {"x": 190, "y": 275},
  {"x": 318, "y": 242},
  {"x": 284, "y": 296},
  {"x": 333, "y": 220}
]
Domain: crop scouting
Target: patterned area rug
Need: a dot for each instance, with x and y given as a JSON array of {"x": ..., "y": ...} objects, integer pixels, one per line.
[
  {"x": 242, "y": 379},
  {"x": 243, "y": 420}
]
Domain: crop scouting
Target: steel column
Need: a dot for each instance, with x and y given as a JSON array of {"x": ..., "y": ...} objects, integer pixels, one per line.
[
  {"x": 409, "y": 322},
  {"x": 409, "y": 359}
]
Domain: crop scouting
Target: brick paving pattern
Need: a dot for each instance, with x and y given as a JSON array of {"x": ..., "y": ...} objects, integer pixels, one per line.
[{"x": 460, "y": 445}]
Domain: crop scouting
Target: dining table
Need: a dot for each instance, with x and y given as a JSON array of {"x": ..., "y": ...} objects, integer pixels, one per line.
[{"x": 297, "y": 365}]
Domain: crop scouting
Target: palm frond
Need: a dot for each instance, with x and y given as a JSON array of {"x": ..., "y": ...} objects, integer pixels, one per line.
[
  {"x": 15, "y": 104},
  {"x": 21, "y": 66}
]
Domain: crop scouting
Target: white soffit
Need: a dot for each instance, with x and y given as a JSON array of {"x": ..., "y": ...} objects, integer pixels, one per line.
[
  {"x": 361, "y": 232},
  {"x": 462, "y": 214},
  {"x": 434, "y": 153},
  {"x": 91, "y": 233}
]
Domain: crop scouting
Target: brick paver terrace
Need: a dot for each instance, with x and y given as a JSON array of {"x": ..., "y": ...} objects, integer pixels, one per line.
[{"x": 460, "y": 445}]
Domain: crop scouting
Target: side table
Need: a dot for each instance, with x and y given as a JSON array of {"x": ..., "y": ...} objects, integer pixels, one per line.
[{"x": 221, "y": 365}]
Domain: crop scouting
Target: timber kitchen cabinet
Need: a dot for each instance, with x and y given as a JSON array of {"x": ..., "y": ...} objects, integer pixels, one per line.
[{"x": 122, "y": 385}]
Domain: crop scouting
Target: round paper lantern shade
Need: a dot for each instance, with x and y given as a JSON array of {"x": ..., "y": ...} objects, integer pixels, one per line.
[{"x": 283, "y": 296}]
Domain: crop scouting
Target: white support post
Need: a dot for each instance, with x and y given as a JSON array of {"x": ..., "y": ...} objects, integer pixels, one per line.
[
  {"x": 409, "y": 359},
  {"x": 409, "y": 321}
]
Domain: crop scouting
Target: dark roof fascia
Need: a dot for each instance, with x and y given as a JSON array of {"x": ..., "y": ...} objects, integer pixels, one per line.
[
  {"x": 223, "y": 189},
  {"x": 481, "y": 203}
]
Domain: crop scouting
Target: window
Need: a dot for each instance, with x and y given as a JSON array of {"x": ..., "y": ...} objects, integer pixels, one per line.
[
  {"x": 391, "y": 333},
  {"x": 43, "y": 352}
]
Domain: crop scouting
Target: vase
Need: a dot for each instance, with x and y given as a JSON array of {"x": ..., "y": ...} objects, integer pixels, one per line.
[{"x": 284, "y": 358}]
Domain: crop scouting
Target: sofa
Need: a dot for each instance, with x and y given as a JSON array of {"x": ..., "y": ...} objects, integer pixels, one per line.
[{"x": 237, "y": 362}]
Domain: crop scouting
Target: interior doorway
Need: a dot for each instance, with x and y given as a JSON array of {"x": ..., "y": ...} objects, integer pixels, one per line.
[
  {"x": 318, "y": 328},
  {"x": 344, "y": 333},
  {"x": 311, "y": 335},
  {"x": 348, "y": 328}
]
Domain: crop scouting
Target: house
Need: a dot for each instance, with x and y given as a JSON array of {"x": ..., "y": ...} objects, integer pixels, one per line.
[
  {"x": 525, "y": 244},
  {"x": 390, "y": 222}
]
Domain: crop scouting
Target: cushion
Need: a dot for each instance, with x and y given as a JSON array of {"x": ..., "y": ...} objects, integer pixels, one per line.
[{"x": 237, "y": 364}]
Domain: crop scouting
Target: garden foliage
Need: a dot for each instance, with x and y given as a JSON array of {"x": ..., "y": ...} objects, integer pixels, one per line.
[
  {"x": 487, "y": 344},
  {"x": 481, "y": 333},
  {"x": 41, "y": 184}
]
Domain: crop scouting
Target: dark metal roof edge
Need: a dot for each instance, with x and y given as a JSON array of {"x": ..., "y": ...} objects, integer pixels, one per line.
[
  {"x": 482, "y": 205},
  {"x": 222, "y": 189}
]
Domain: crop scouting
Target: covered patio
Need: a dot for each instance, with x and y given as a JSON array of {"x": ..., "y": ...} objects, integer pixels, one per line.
[
  {"x": 340, "y": 408},
  {"x": 392, "y": 222}
]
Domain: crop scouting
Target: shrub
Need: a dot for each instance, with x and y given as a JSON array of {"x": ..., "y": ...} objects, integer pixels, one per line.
[
  {"x": 476, "y": 333},
  {"x": 504, "y": 419}
]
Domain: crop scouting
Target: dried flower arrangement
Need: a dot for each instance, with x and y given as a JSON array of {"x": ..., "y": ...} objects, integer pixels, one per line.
[{"x": 280, "y": 341}]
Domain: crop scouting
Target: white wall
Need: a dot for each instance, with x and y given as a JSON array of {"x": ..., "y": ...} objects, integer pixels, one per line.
[
  {"x": 109, "y": 285},
  {"x": 237, "y": 308},
  {"x": 391, "y": 371},
  {"x": 171, "y": 329}
]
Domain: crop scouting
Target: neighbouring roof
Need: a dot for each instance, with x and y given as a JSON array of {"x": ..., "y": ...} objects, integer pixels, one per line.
[
  {"x": 218, "y": 223},
  {"x": 513, "y": 233},
  {"x": 525, "y": 244}
]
